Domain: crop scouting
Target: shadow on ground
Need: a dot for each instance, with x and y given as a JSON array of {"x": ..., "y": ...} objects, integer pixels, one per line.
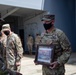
[
  {"x": 29, "y": 56},
  {"x": 71, "y": 61}
]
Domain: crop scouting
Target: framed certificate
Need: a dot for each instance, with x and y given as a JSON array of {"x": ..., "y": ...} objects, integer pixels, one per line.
[{"x": 44, "y": 54}]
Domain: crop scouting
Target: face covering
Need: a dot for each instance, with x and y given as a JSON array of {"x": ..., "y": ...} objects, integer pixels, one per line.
[
  {"x": 47, "y": 26},
  {"x": 6, "y": 32}
]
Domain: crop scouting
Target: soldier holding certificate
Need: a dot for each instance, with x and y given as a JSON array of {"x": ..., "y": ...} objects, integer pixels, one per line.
[{"x": 62, "y": 50}]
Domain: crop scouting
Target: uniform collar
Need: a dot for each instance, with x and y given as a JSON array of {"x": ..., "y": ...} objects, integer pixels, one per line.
[{"x": 51, "y": 31}]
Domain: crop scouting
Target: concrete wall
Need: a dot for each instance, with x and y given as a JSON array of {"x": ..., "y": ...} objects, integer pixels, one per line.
[
  {"x": 34, "y": 4},
  {"x": 64, "y": 11}
]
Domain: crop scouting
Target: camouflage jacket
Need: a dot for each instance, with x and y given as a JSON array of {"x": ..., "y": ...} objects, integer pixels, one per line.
[
  {"x": 14, "y": 49},
  {"x": 62, "y": 45},
  {"x": 62, "y": 50},
  {"x": 6, "y": 71},
  {"x": 3, "y": 46}
]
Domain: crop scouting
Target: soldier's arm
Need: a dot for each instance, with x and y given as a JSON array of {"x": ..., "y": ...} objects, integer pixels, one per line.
[
  {"x": 19, "y": 48},
  {"x": 66, "y": 48}
]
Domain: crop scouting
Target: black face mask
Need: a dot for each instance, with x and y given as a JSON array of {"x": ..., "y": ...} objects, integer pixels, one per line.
[
  {"x": 47, "y": 26},
  {"x": 6, "y": 32}
]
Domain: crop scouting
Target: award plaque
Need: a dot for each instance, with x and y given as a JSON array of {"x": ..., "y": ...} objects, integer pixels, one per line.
[{"x": 44, "y": 54}]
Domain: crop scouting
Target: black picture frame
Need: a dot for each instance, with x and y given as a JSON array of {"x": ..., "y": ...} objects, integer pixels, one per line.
[{"x": 44, "y": 54}]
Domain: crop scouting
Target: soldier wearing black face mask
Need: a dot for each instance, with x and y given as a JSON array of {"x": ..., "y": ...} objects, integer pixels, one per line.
[
  {"x": 14, "y": 50},
  {"x": 6, "y": 29},
  {"x": 62, "y": 51},
  {"x": 7, "y": 32},
  {"x": 47, "y": 26},
  {"x": 48, "y": 21}
]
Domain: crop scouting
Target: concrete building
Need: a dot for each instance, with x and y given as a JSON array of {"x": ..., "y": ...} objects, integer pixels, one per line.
[{"x": 25, "y": 17}]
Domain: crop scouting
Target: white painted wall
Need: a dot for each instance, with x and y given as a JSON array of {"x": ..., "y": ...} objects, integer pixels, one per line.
[
  {"x": 34, "y": 4},
  {"x": 32, "y": 27}
]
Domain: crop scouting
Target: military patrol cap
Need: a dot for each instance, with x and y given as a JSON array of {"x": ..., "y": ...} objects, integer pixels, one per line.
[
  {"x": 5, "y": 27},
  {"x": 48, "y": 17}
]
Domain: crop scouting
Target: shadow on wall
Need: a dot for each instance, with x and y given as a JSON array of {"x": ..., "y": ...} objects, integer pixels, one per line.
[{"x": 72, "y": 59}]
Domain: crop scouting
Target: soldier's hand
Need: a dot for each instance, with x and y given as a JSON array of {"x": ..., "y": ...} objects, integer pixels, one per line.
[
  {"x": 54, "y": 65},
  {"x": 18, "y": 63}
]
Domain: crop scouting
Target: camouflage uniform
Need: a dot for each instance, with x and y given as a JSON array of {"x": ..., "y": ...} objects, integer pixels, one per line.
[
  {"x": 6, "y": 71},
  {"x": 14, "y": 51},
  {"x": 37, "y": 40},
  {"x": 30, "y": 44},
  {"x": 62, "y": 51},
  {"x": 2, "y": 67},
  {"x": 3, "y": 46}
]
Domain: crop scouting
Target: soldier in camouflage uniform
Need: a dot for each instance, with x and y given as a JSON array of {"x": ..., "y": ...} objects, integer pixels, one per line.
[
  {"x": 37, "y": 40},
  {"x": 62, "y": 50},
  {"x": 2, "y": 42},
  {"x": 30, "y": 43},
  {"x": 14, "y": 49},
  {"x": 3, "y": 45},
  {"x": 6, "y": 71}
]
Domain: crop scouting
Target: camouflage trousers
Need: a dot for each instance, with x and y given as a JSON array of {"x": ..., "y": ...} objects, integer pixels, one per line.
[
  {"x": 3, "y": 73},
  {"x": 14, "y": 68},
  {"x": 30, "y": 48},
  {"x": 48, "y": 71}
]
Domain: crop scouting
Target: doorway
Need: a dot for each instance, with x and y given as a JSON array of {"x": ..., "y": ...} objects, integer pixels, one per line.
[{"x": 21, "y": 33}]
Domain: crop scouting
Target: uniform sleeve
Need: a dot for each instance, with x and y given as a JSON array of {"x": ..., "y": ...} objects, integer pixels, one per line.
[
  {"x": 66, "y": 47},
  {"x": 4, "y": 47},
  {"x": 19, "y": 48}
]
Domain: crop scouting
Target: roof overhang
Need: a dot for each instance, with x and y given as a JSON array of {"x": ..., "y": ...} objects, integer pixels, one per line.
[{"x": 6, "y": 11}]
